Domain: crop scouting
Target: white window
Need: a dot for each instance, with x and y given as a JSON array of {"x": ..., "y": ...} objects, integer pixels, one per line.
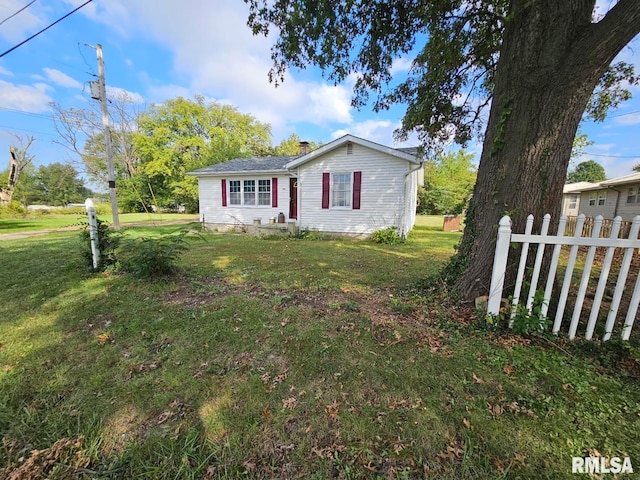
[
  {"x": 243, "y": 192},
  {"x": 573, "y": 202},
  {"x": 592, "y": 199},
  {"x": 632, "y": 195},
  {"x": 264, "y": 192},
  {"x": 249, "y": 192},
  {"x": 235, "y": 195},
  {"x": 602, "y": 197},
  {"x": 341, "y": 190}
]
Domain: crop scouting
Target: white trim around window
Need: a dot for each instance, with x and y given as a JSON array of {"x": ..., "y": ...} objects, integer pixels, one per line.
[{"x": 248, "y": 192}]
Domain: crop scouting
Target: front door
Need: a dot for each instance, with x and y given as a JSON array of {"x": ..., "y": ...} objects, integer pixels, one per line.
[{"x": 293, "y": 198}]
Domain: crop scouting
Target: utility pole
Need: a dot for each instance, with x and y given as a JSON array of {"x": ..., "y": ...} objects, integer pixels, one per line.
[{"x": 107, "y": 138}]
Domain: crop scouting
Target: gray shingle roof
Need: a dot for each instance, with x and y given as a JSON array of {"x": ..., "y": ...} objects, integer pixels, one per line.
[{"x": 253, "y": 164}]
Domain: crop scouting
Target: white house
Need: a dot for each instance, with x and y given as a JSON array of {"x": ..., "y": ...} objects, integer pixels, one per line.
[
  {"x": 615, "y": 197},
  {"x": 348, "y": 186}
]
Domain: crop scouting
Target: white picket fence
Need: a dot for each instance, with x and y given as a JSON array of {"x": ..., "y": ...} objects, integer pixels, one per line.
[{"x": 506, "y": 237}]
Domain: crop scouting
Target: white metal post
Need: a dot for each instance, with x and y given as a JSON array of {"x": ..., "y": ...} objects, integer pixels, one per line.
[{"x": 93, "y": 232}]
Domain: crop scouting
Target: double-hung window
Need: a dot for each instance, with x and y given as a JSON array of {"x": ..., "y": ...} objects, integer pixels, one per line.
[
  {"x": 602, "y": 197},
  {"x": 341, "y": 190},
  {"x": 264, "y": 192},
  {"x": 632, "y": 195},
  {"x": 235, "y": 192},
  {"x": 592, "y": 199},
  {"x": 573, "y": 202}
]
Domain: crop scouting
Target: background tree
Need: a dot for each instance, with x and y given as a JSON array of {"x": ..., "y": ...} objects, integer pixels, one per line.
[
  {"x": 182, "y": 135},
  {"x": 291, "y": 146},
  {"x": 448, "y": 183},
  {"x": 19, "y": 160},
  {"x": 536, "y": 64},
  {"x": 588, "y": 171},
  {"x": 58, "y": 184}
]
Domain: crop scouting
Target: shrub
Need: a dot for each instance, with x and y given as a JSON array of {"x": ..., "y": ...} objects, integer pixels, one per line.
[
  {"x": 388, "y": 236},
  {"x": 108, "y": 241},
  {"x": 150, "y": 258},
  {"x": 13, "y": 210}
]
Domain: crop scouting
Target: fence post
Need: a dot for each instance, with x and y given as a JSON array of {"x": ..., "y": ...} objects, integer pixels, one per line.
[
  {"x": 584, "y": 281},
  {"x": 621, "y": 282},
  {"x": 93, "y": 232},
  {"x": 521, "y": 268},
  {"x": 499, "y": 266}
]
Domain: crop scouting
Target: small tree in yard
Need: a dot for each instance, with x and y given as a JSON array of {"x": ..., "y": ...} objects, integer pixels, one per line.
[{"x": 533, "y": 64}]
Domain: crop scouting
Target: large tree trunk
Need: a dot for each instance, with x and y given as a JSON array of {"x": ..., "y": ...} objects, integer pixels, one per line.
[{"x": 551, "y": 60}]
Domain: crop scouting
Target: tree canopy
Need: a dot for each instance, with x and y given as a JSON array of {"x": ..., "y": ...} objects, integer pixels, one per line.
[
  {"x": 535, "y": 66},
  {"x": 182, "y": 135},
  {"x": 448, "y": 183},
  {"x": 291, "y": 146},
  {"x": 589, "y": 171}
]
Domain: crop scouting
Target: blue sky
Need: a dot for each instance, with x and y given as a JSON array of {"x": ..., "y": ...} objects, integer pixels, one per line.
[{"x": 161, "y": 49}]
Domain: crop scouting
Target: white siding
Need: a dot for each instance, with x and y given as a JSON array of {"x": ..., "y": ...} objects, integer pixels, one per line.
[
  {"x": 566, "y": 201},
  {"x": 628, "y": 210},
  {"x": 382, "y": 197},
  {"x": 607, "y": 210},
  {"x": 212, "y": 211}
]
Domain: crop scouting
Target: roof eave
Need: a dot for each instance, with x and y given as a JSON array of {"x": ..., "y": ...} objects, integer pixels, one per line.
[{"x": 197, "y": 173}]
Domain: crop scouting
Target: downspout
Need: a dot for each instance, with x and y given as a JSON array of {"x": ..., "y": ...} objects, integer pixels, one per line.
[{"x": 403, "y": 233}]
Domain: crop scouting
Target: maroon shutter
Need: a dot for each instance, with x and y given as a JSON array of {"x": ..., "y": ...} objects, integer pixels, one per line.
[
  {"x": 357, "y": 187},
  {"x": 326, "y": 180},
  {"x": 224, "y": 192},
  {"x": 274, "y": 192}
]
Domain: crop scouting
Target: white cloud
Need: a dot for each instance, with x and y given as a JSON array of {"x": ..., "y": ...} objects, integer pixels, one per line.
[
  {"x": 627, "y": 119},
  {"x": 4, "y": 71},
  {"x": 402, "y": 64},
  {"x": 29, "y": 98},
  {"x": 122, "y": 94},
  {"x": 22, "y": 25},
  {"x": 213, "y": 48},
  {"x": 61, "y": 79}
]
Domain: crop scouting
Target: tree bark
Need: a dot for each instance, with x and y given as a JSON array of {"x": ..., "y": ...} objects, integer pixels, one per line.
[{"x": 551, "y": 59}]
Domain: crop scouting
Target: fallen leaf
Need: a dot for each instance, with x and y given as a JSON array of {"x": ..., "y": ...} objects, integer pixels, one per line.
[
  {"x": 477, "y": 379},
  {"x": 290, "y": 403},
  {"x": 508, "y": 370},
  {"x": 467, "y": 424}
]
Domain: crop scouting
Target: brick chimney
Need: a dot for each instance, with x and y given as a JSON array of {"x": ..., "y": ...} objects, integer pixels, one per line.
[{"x": 304, "y": 148}]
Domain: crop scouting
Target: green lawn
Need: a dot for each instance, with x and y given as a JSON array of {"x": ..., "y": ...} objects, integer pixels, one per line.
[
  {"x": 55, "y": 220},
  {"x": 289, "y": 359}
]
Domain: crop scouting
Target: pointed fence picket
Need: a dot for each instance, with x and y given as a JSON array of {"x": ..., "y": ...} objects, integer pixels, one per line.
[{"x": 507, "y": 237}]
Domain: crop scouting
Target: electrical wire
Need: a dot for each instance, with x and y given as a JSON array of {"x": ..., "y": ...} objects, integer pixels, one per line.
[
  {"x": 610, "y": 156},
  {"x": 23, "y": 8},
  {"x": 44, "y": 29}
]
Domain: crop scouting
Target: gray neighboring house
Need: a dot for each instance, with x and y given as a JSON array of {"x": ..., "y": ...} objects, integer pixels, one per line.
[
  {"x": 348, "y": 186},
  {"x": 615, "y": 197}
]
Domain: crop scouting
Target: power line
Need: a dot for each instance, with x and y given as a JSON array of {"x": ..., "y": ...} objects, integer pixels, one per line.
[
  {"x": 611, "y": 156},
  {"x": 44, "y": 29},
  {"x": 23, "y": 8},
  {"x": 623, "y": 114},
  {"x": 24, "y": 112}
]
